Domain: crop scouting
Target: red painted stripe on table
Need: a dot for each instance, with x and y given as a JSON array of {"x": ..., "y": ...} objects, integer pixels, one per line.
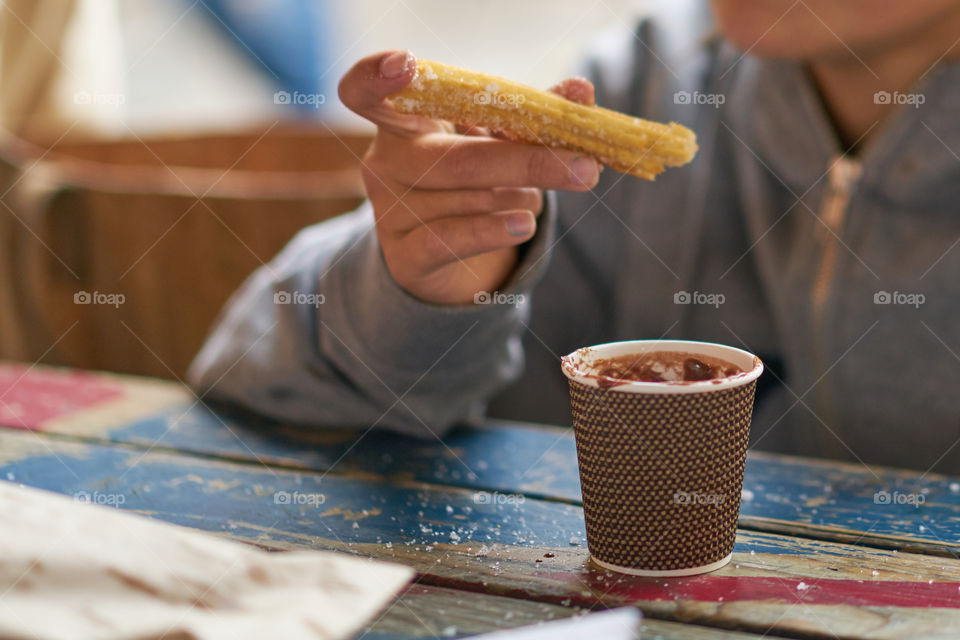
[
  {"x": 28, "y": 398},
  {"x": 856, "y": 593}
]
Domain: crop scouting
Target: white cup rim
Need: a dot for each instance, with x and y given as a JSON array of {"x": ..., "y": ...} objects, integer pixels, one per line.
[{"x": 572, "y": 365}]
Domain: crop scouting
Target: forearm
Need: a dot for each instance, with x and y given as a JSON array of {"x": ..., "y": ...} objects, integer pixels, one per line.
[{"x": 353, "y": 349}]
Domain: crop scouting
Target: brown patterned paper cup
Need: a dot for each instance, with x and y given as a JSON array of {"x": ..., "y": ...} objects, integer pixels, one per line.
[{"x": 661, "y": 463}]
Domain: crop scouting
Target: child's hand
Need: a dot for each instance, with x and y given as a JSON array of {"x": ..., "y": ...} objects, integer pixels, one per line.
[{"x": 451, "y": 209}]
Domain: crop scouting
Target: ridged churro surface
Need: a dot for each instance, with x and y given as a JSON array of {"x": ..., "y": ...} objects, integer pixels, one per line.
[{"x": 625, "y": 143}]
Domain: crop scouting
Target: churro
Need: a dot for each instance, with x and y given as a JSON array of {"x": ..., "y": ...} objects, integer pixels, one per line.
[{"x": 524, "y": 114}]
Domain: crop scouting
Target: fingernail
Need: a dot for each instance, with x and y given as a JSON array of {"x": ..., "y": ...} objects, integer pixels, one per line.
[
  {"x": 584, "y": 171},
  {"x": 520, "y": 223},
  {"x": 394, "y": 64}
]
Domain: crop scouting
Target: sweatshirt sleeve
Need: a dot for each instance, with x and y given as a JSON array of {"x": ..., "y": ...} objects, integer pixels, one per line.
[{"x": 323, "y": 336}]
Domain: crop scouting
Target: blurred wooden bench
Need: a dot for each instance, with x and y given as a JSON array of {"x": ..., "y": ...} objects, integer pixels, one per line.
[{"x": 172, "y": 225}]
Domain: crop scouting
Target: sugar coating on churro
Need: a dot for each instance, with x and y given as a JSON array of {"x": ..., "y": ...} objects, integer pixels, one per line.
[{"x": 625, "y": 143}]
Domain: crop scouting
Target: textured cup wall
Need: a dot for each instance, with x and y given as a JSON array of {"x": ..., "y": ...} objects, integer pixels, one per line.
[{"x": 661, "y": 474}]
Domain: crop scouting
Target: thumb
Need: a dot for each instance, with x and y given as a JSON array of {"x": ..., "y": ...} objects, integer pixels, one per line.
[
  {"x": 576, "y": 90},
  {"x": 365, "y": 87}
]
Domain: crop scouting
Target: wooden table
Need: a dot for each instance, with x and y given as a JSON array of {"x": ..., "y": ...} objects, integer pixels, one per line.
[{"x": 490, "y": 517}]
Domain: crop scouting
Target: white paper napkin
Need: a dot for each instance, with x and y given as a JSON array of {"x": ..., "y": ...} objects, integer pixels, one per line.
[{"x": 78, "y": 571}]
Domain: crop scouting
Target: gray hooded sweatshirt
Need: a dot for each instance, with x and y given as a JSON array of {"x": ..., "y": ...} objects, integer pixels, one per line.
[{"x": 839, "y": 271}]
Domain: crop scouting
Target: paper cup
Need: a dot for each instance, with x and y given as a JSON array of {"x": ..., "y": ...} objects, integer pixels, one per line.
[{"x": 661, "y": 464}]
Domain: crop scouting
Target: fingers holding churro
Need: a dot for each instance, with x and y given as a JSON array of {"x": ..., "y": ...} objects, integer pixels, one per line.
[{"x": 451, "y": 210}]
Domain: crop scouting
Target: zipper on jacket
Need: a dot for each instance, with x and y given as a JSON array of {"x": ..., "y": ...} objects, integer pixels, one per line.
[{"x": 843, "y": 175}]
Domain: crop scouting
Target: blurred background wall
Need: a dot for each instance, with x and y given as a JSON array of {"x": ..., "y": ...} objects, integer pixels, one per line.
[
  {"x": 154, "y": 152},
  {"x": 180, "y": 66}
]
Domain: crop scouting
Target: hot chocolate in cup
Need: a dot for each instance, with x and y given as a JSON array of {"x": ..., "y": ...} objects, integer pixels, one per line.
[{"x": 661, "y": 428}]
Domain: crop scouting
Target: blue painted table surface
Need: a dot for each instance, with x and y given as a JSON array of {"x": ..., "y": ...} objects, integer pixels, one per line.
[{"x": 490, "y": 516}]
